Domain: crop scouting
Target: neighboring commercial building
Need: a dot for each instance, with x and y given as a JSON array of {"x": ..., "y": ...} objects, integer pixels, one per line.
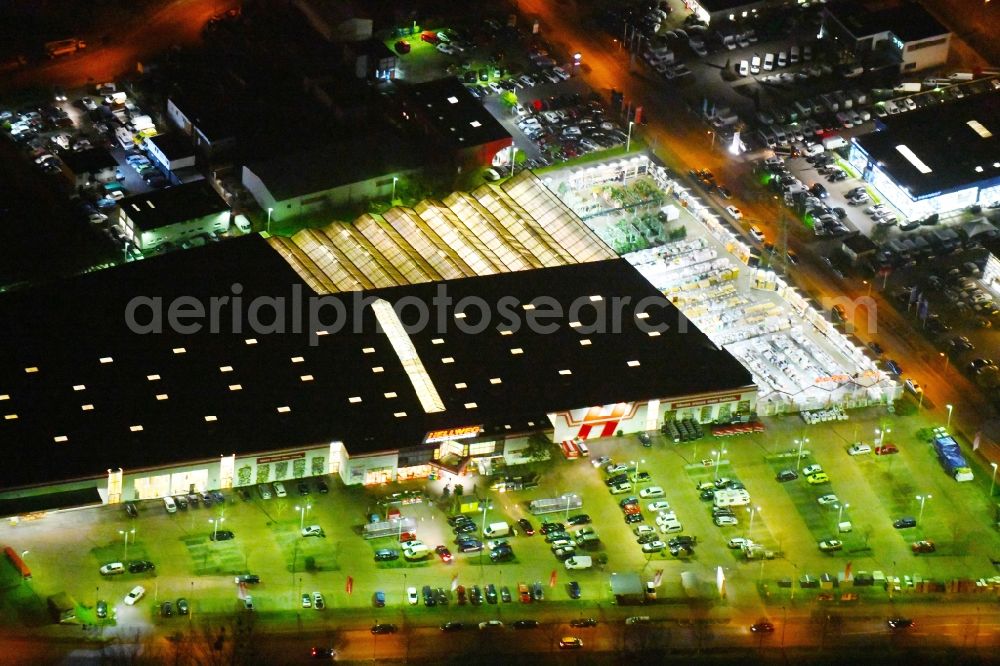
[
  {"x": 858, "y": 247},
  {"x": 358, "y": 167},
  {"x": 335, "y": 20},
  {"x": 950, "y": 168},
  {"x": 88, "y": 166},
  {"x": 716, "y": 12},
  {"x": 904, "y": 34},
  {"x": 205, "y": 117},
  {"x": 991, "y": 270},
  {"x": 174, "y": 214},
  {"x": 371, "y": 59},
  {"x": 453, "y": 123},
  {"x": 172, "y": 151},
  {"x": 128, "y": 412}
]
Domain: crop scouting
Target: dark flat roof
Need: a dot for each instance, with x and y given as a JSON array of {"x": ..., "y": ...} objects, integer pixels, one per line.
[
  {"x": 169, "y": 383},
  {"x": 173, "y": 145},
  {"x": 88, "y": 161},
  {"x": 458, "y": 119},
  {"x": 722, "y": 5},
  {"x": 351, "y": 158},
  {"x": 909, "y": 21},
  {"x": 171, "y": 205},
  {"x": 941, "y": 137}
]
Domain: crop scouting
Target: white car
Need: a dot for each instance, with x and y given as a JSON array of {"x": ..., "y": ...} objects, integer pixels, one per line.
[
  {"x": 757, "y": 233},
  {"x": 665, "y": 517},
  {"x": 744, "y": 68},
  {"x": 410, "y": 545},
  {"x": 653, "y": 546},
  {"x": 112, "y": 569},
  {"x": 313, "y": 530},
  {"x": 659, "y": 506},
  {"x": 768, "y": 62},
  {"x": 726, "y": 520},
  {"x": 739, "y": 542},
  {"x": 859, "y": 449},
  {"x": 579, "y": 562},
  {"x": 560, "y": 72},
  {"x": 495, "y": 87},
  {"x": 137, "y": 593},
  {"x": 411, "y": 596},
  {"x": 782, "y": 59},
  {"x": 755, "y": 64},
  {"x": 279, "y": 489},
  {"x": 910, "y": 104},
  {"x": 652, "y": 491},
  {"x": 828, "y": 499},
  {"x": 735, "y": 212},
  {"x": 447, "y": 49},
  {"x": 641, "y": 530},
  {"x": 811, "y": 469}
]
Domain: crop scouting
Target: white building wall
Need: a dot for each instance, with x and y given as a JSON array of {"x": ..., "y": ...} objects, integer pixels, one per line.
[
  {"x": 916, "y": 56},
  {"x": 178, "y": 118}
]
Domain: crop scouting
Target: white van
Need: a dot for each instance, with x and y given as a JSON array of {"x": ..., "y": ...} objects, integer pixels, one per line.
[
  {"x": 859, "y": 449},
  {"x": 579, "y": 562},
  {"x": 494, "y": 530},
  {"x": 168, "y": 502},
  {"x": 732, "y": 497},
  {"x": 418, "y": 551},
  {"x": 582, "y": 447},
  {"x": 279, "y": 489}
]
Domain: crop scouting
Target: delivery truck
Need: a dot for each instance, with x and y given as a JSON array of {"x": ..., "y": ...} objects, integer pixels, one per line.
[
  {"x": 496, "y": 530},
  {"x": 63, "y": 47}
]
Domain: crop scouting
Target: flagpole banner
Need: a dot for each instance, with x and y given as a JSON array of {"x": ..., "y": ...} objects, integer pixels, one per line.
[
  {"x": 454, "y": 582},
  {"x": 349, "y": 587},
  {"x": 552, "y": 578}
]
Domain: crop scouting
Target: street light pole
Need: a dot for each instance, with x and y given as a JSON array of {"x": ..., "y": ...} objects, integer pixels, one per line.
[
  {"x": 215, "y": 531},
  {"x": 923, "y": 499},
  {"x": 302, "y": 515},
  {"x": 269, "y": 211},
  {"x": 798, "y": 459},
  {"x": 628, "y": 139},
  {"x": 993, "y": 483},
  {"x": 840, "y": 513},
  {"x": 568, "y": 498},
  {"x": 718, "y": 460},
  {"x": 125, "y": 534},
  {"x": 754, "y": 510},
  {"x": 948, "y": 424},
  {"x": 394, "y": 179}
]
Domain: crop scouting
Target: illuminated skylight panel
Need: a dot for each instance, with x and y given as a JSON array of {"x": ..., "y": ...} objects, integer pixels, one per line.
[
  {"x": 354, "y": 399},
  {"x": 633, "y": 364},
  {"x": 60, "y": 439},
  {"x": 209, "y": 418},
  {"x": 152, "y": 378},
  {"x": 979, "y": 129},
  {"x": 912, "y": 158},
  {"x": 284, "y": 409},
  {"x": 422, "y": 383},
  {"x": 135, "y": 428}
]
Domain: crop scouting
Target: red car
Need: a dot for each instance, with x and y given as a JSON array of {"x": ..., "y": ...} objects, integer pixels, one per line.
[
  {"x": 886, "y": 449},
  {"x": 429, "y": 37},
  {"x": 923, "y": 547},
  {"x": 460, "y": 592},
  {"x": 402, "y": 47},
  {"x": 444, "y": 554},
  {"x": 632, "y": 509}
]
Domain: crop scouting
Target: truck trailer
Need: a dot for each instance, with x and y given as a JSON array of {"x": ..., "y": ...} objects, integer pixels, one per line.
[{"x": 951, "y": 458}]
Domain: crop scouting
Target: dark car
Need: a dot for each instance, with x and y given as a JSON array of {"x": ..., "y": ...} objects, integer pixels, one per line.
[
  {"x": 244, "y": 494},
  {"x": 428, "y": 595},
  {"x": 167, "y": 609},
  {"x": 383, "y": 628},
  {"x": 583, "y": 622},
  {"x": 465, "y": 528},
  {"x": 762, "y": 628},
  {"x": 322, "y": 487},
  {"x": 537, "y": 592},
  {"x": 452, "y": 626},
  {"x": 893, "y": 367},
  {"x": 102, "y": 609},
  {"x": 247, "y": 579},
  {"x": 303, "y": 488},
  {"x": 181, "y": 502},
  {"x": 526, "y": 527},
  {"x": 632, "y": 518},
  {"x": 221, "y": 535},
  {"x": 899, "y": 623},
  {"x": 193, "y": 499},
  {"x": 707, "y": 494},
  {"x": 318, "y": 652},
  {"x": 548, "y": 528},
  {"x": 182, "y": 606},
  {"x": 131, "y": 510},
  {"x": 491, "y": 594},
  {"x": 574, "y": 590},
  {"x": 582, "y": 519},
  {"x": 525, "y": 624},
  {"x": 475, "y": 596},
  {"x": 903, "y": 523},
  {"x": 502, "y": 554},
  {"x": 470, "y": 546},
  {"x": 456, "y": 520},
  {"x": 441, "y": 596},
  {"x": 386, "y": 555},
  {"x": 140, "y": 565},
  {"x": 787, "y": 475},
  {"x": 402, "y": 47},
  {"x": 505, "y": 594}
]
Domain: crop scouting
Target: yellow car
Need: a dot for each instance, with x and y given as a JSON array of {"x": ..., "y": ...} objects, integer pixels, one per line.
[
  {"x": 570, "y": 643},
  {"x": 818, "y": 478}
]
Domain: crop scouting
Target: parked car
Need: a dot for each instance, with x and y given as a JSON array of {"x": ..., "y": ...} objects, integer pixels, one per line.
[{"x": 135, "y": 595}]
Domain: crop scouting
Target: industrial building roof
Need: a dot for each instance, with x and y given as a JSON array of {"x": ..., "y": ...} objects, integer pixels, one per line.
[
  {"x": 173, "y": 145},
  {"x": 91, "y": 160},
  {"x": 161, "y": 208},
  {"x": 908, "y": 21},
  {"x": 449, "y": 110},
  {"x": 962, "y": 150},
  {"x": 108, "y": 397}
]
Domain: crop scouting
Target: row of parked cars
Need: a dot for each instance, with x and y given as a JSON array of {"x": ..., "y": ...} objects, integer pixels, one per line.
[{"x": 568, "y": 126}]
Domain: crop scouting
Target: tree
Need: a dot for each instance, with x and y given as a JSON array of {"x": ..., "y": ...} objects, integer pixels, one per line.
[
  {"x": 538, "y": 447},
  {"x": 459, "y": 490}
]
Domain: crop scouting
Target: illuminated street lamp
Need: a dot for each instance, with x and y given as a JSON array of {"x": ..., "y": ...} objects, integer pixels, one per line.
[
  {"x": 394, "y": 179},
  {"x": 923, "y": 499},
  {"x": 628, "y": 139},
  {"x": 948, "y": 425},
  {"x": 993, "y": 483},
  {"x": 302, "y": 515},
  {"x": 798, "y": 459},
  {"x": 753, "y": 512},
  {"x": 881, "y": 433},
  {"x": 568, "y": 499},
  {"x": 718, "y": 460},
  {"x": 215, "y": 531},
  {"x": 269, "y": 211},
  {"x": 577, "y": 57},
  {"x": 635, "y": 464},
  {"x": 840, "y": 513},
  {"x": 125, "y": 534},
  {"x": 712, "y": 146}
]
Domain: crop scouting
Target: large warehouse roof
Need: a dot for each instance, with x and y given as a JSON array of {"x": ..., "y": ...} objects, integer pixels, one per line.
[
  {"x": 81, "y": 393},
  {"x": 962, "y": 149}
]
